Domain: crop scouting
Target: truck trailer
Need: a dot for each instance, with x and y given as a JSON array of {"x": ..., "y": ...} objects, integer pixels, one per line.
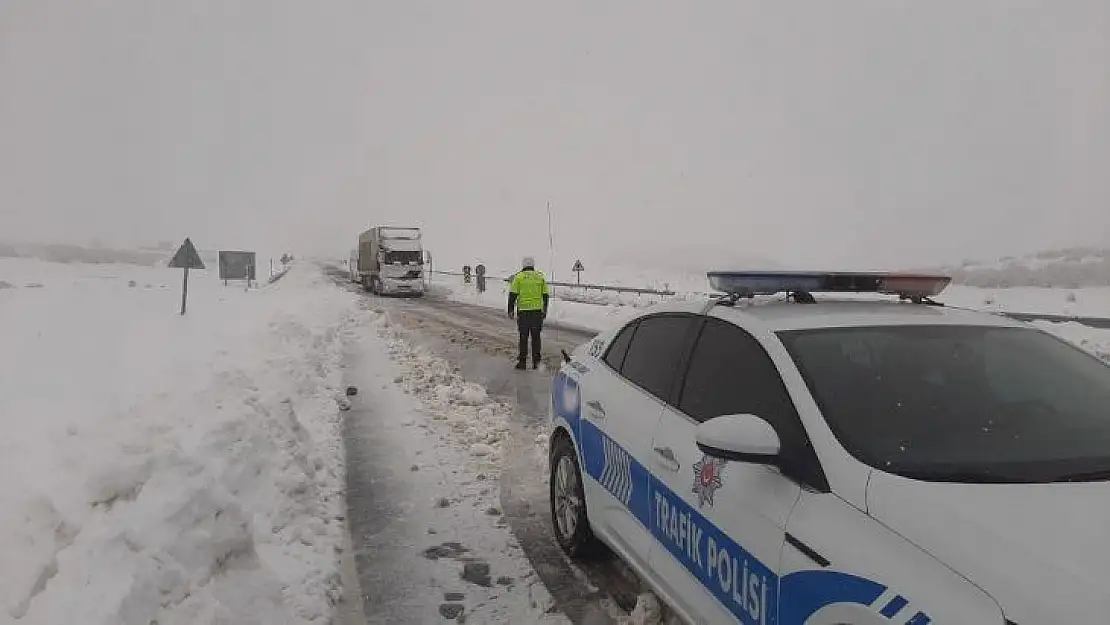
[{"x": 391, "y": 261}]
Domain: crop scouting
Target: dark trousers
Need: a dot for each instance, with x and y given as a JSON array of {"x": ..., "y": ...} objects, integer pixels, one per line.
[{"x": 530, "y": 324}]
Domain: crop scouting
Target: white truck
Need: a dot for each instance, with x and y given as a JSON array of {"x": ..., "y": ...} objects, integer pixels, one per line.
[{"x": 391, "y": 261}]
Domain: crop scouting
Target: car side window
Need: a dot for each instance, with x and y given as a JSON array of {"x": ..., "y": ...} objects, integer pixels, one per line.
[
  {"x": 619, "y": 347},
  {"x": 655, "y": 353},
  {"x": 730, "y": 373}
]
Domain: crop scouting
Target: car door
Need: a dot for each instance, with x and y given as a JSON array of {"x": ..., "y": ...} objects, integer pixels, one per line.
[
  {"x": 722, "y": 524},
  {"x": 620, "y": 411}
]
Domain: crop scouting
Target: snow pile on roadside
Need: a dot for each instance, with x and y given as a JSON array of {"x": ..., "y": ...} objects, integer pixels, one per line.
[
  {"x": 648, "y": 611},
  {"x": 480, "y": 422},
  {"x": 169, "y": 469}
]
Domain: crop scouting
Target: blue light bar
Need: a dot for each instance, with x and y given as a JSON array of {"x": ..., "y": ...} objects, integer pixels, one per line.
[{"x": 750, "y": 283}]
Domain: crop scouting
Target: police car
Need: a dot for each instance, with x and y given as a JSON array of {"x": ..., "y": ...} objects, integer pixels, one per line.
[{"x": 775, "y": 457}]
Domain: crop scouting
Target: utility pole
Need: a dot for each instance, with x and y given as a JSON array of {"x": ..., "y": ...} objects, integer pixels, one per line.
[{"x": 550, "y": 242}]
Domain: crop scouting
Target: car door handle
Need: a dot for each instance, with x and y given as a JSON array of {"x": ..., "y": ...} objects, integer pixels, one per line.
[
  {"x": 667, "y": 454},
  {"x": 596, "y": 409}
]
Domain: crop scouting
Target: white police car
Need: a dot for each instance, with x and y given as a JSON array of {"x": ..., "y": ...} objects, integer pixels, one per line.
[{"x": 824, "y": 462}]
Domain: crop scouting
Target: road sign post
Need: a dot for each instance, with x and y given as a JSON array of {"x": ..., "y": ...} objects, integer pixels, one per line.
[
  {"x": 185, "y": 291},
  {"x": 578, "y": 269},
  {"x": 480, "y": 274},
  {"x": 186, "y": 258}
]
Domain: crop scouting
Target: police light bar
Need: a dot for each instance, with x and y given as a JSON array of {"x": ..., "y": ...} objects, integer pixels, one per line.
[{"x": 751, "y": 283}]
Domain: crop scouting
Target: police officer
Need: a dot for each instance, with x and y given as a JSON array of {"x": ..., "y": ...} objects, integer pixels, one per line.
[{"x": 528, "y": 301}]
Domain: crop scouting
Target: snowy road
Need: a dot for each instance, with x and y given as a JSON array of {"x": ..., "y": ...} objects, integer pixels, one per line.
[{"x": 480, "y": 343}]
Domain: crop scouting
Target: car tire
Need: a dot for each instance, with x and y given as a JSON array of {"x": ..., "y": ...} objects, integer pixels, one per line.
[{"x": 569, "y": 519}]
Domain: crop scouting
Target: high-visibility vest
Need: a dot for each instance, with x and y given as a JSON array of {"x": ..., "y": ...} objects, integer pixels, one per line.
[{"x": 530, "y": 286}]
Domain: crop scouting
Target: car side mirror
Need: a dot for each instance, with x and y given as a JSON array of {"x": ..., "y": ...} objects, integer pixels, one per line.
[{"x": 741, "y": 438}]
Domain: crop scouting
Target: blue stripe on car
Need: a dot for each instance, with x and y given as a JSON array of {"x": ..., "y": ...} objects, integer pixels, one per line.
[
  {"x": 741, "y": 582},
  {"x": 894, "y": 607}
]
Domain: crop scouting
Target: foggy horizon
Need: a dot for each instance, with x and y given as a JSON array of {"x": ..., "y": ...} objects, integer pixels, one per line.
[{"x": 855, "y": 135}]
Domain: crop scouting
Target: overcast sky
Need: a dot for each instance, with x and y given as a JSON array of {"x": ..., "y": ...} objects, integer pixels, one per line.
[{"x": 825, "y": 133}]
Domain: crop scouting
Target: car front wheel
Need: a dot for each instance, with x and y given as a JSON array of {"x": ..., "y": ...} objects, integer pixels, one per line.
[{"x": 568, "y": 503}]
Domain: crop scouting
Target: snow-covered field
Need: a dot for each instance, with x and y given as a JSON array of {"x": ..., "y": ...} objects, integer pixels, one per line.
[
  {"x": 1087, "y": 302},
  {"x": 1066, "y": 268},
  {"x": 167, "y": 469}
]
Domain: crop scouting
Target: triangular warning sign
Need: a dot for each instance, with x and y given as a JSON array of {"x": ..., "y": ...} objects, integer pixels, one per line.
[
  {"x": 578, "y": 266},
  {"x": 186, "y": 257}
]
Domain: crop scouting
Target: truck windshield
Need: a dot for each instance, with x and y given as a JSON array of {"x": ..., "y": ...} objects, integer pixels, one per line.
[
  {"x": 961, "y": 403},
  {"x": 399, "y": 233},
  {"x": 404, "y": 257}
]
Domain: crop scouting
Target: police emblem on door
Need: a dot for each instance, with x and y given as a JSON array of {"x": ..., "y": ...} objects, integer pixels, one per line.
[{"x": 707, "y": 479}]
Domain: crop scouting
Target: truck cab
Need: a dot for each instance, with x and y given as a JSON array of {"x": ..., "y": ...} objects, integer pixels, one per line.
[{"x": 391, "y": 261}]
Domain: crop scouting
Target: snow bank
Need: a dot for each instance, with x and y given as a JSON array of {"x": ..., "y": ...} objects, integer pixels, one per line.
[
  {"x": 162, "y": 468},
  {"x": 479, "y": 423}
]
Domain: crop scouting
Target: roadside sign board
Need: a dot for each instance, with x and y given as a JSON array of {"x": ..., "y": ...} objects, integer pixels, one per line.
[{"x": 237, "y": 265}]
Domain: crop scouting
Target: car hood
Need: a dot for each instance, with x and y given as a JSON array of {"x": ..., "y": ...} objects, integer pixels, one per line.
[{"x": 1041, "y": 550}]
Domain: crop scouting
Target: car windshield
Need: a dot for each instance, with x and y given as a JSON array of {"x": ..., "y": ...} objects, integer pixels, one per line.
[{"x": 961, "y": 403}]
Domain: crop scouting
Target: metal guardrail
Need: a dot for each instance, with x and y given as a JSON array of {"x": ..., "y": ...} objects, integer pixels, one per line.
[
  {"x": 573, "y": 285},
  {"x": 611, "y": 288},
  {"x": 278, "y": 275}
]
